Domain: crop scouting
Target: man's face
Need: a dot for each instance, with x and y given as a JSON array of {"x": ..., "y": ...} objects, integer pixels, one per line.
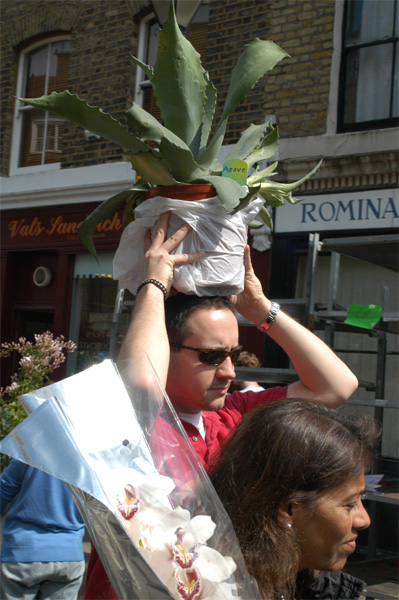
[{"x": 191, "y": 385}]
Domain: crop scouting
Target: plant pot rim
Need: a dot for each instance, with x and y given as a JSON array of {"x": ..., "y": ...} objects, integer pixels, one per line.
[{"x": 184, "y": 191}]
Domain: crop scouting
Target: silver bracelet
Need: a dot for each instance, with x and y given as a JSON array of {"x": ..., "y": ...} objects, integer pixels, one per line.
[{"x": 271, "y": 317}]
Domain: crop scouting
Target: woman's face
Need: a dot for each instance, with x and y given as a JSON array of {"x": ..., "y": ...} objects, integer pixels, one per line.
[{"x": 327, "y": 534}]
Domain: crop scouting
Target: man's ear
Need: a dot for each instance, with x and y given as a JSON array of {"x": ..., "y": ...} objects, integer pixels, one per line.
[{"x": 285, "y": 514}]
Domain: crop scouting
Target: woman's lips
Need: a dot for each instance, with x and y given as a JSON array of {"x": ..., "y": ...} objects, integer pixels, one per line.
[{"x": 351, "y": 545}]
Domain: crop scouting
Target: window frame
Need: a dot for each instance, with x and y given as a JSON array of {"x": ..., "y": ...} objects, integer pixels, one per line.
[
  {"x": 20, "y": 109},
  {"x": 142, "y": 83},
  {"x": 346, "y": 49}
]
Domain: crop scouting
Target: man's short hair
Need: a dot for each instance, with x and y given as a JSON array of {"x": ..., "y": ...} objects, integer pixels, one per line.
[
  {"x": 248, "y": 359},
  {"x": 180, "y": 307}
]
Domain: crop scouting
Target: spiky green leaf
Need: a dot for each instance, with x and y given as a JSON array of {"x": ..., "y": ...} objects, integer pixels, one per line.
[
  {"x": 266, "y": 149},
  {"x": 209, "y": 111},
  {"x": 249, "y": 140},
  {"x": 148, "y": 70},
  {"x": 258, "y": 176},
  {"x": 266, "y": 218},
  {"x": 176, "y": 155},
  {"x": 229, "y": 191},
  {"x": 103, "y": 211},
  {"x": 256, "y": 60},
  {"x": 71, "y": 107},
  {"x": 151, "y": 168},
  {"x": 179, "y": 84}
]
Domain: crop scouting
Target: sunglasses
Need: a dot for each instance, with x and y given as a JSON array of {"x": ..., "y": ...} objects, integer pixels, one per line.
[{"x": 212, "y": 357}]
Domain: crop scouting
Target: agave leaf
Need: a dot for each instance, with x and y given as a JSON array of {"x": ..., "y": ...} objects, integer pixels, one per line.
[
  {"x": 148, "y": 70},
  {"x": 295, "y": 184},
  {"x": 273, "y": 197},
  {"x": 266, "y": 149},
  {"x": 249, "y": 140},
  {"x": 151, "y": 168},
  {"x": 103, "y": 211},
  {"x": 260, "y": 175},
  {"x": 229, "y": 191},
  {"x": 256, "y": 60},
  {"x": 135, "y": 200},
  {"x": 71, "y": 107},
  {"x": 208, "y": 156},
  {"x": 275, "y": 193},
  {"x": 255, "y": 225},
  {"x": 177, "y": 156},
  {"x": 251, "y": 194},
  {"x": 210, "y": 106},
  {"x": 266, "y": 218},
  {"x": 179, "y": 84}
]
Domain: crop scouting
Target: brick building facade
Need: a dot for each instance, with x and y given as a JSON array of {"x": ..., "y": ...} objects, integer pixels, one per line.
[{"x": 354, "y": 192}]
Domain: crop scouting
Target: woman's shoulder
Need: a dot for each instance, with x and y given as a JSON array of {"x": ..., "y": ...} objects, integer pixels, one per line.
[{"x": 337, "y": 585}]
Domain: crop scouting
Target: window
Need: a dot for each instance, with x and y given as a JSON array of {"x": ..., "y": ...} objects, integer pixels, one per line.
[
  {"x": 369, "y": 67},
  {"x": 93, "y": 304},
  {"x": 37, "y": 139},
  {"x": 196, "y": 32}
]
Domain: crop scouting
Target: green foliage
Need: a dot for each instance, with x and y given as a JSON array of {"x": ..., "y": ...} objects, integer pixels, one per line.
[{"x": 180, "y": 150}]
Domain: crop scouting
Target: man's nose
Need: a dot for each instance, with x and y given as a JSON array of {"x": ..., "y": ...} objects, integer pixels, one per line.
[{"x": 226, "y": 369}]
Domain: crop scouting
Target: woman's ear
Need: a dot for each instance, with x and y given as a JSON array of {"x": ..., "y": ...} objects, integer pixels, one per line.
[{"x": 284, "y": 514}]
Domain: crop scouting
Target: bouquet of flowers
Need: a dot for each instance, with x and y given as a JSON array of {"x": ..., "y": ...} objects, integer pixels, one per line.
[{"x": 150, "y": 509}]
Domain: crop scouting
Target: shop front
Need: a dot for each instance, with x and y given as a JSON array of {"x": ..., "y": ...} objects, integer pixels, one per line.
[{"x": 49, "y": 281}]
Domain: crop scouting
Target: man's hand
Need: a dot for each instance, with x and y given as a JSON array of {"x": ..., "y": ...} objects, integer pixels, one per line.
[
  {"x": 251, "y": 303},
  {"x": 158, "y": 262}
]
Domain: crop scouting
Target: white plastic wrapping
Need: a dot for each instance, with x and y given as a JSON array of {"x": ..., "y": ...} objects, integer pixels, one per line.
[
  {"x": 149, "y": 507},
  {"x": 221, "y": 236}
]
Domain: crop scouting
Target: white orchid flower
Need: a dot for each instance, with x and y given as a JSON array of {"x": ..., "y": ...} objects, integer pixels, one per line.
[{"x": 173, "y": 543}]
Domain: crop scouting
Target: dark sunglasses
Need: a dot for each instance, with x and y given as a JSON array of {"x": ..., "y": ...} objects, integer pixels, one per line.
[{"x": 212, "y": 357}]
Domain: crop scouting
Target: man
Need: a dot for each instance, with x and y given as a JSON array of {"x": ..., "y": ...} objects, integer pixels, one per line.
[
  {"x": 198, "y": 390},
  {"x": 248, "y": 359},
  {"x": 42, "y": 552}
]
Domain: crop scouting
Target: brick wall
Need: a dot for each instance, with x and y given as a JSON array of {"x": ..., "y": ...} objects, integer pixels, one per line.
[
  {"x": 104, "y": 35},
  {"x": 296, "y": 90}
]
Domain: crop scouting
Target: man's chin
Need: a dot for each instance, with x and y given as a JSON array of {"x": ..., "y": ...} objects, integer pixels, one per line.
[{"x": 216, "y": 403}]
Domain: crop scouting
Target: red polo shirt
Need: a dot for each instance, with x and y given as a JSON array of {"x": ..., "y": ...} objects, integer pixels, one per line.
[{"x": 217, "y": 427}]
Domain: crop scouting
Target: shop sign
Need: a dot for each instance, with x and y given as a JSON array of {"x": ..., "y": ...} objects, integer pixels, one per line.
[
  {"x": 372, "y": 209},
  {"x": 23, "y": 228}
]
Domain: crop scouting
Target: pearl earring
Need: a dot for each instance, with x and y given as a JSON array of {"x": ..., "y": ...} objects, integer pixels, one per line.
[{"x": 289, "y": 525}]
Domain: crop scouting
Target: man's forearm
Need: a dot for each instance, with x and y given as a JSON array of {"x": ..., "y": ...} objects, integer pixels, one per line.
[
  {"x": 323, "y": 375},
  {"x": 147, "y": 332}
]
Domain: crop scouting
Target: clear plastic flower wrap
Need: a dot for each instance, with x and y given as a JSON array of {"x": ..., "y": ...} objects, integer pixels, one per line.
[{"x": 150, "y": 509}]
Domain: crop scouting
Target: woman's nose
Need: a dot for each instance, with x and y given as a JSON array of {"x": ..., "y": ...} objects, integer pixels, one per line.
[{"x": 362, "y": 519}]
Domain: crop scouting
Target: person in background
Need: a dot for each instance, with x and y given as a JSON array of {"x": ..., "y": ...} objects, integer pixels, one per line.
[
  {"x": 248, "y": 359},
  {"x": 192, "y": 342},
  {"x": 42, "y": 547},
  {"x": 291, "y": 477}
]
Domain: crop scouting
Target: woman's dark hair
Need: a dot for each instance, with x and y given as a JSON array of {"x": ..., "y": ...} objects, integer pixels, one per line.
[
  {"x": 180, "y": 307},
  {"x": 286, "y": 450}
]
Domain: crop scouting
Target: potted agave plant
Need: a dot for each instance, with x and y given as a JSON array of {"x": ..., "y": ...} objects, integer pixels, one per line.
[{"x": 171, "y": 159}]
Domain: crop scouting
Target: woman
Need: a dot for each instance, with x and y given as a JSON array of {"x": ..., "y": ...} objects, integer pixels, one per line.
[{"x": 291, "y": 478}]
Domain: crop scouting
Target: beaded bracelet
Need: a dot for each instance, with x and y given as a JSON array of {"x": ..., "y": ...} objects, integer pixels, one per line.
[{"x": 155, "y": 282}]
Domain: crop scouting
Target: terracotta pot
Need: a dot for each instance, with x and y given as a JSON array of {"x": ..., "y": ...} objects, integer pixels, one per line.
[{"x": 189, "y": 191}]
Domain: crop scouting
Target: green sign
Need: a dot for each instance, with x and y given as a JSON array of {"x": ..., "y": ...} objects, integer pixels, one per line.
[{"x": 363, "y": 315}]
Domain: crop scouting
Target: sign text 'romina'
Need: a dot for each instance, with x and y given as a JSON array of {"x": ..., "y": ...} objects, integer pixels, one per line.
[{"x": 371, "y": 209}]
